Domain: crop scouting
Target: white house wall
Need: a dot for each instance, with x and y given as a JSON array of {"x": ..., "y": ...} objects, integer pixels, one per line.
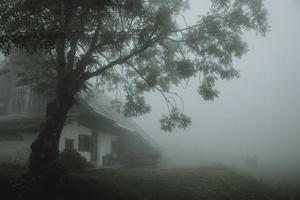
[
  {"x": 72, "y": 131},
  {"x": 18, "y": 151}
]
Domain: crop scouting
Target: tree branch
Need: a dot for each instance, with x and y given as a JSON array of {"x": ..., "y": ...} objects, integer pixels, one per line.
[
  {"x": 186, "y": 28},
  {"x": 93, "y": 46},
  {"x": 121, "y": 59},
  {"x": 72, "y": 51},
  {"x": 60, "y": 41},
  {"x": 60, "y": 51},
  {"x": 161, "y": 91}
]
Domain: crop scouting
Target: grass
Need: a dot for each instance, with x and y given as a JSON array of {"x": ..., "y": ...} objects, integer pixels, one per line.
[
  {"x": 202, "y": 183},
  {"x": 205, "y": 183}
]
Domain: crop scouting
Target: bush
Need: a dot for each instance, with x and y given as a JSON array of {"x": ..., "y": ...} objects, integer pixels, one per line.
[{"x": 72, "y": 160}]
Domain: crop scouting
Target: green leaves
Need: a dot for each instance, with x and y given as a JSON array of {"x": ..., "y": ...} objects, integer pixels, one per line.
[
  {"x": 163, "y": 20},
  {"x": 221, "y": 4},
  {"x": 132, "y": 46},
  {"x": 185, "y": 69},
  {"x": 135, "y": 105},
  {"x": 176, "y": 119},
  {"x": 133, "y": 7},
  {"x": 206, "y": 89}
]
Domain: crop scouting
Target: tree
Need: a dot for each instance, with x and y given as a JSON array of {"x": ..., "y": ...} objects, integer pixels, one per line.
[{"x": 132, "y": 46}]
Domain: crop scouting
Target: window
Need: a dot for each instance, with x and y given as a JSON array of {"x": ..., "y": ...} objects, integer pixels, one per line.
[
  {"x": 69, "y": 144},
  {"x": 20, "y": 100},
  {"x": 84, "y": 143},
  {"x": 24, "y": 101}
]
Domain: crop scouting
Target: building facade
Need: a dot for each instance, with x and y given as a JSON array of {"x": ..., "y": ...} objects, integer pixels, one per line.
[{"x": 99, "y": 133}]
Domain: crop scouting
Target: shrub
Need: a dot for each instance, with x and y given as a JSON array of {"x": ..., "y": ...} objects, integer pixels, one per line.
[{"x": 72, "y": 160}]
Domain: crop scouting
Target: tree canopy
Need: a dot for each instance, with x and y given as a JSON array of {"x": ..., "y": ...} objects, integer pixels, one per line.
[{"x": 130, "y": 46}]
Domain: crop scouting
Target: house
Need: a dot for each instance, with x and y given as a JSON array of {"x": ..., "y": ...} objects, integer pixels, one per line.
[{"x": 99, "y": 133}]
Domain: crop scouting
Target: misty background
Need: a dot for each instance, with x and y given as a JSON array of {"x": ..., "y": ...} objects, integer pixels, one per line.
[{"x": 257, "y": 114}]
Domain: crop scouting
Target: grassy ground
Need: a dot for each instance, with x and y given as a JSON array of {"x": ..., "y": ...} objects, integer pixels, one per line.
[{"x": 205, "y": 183}]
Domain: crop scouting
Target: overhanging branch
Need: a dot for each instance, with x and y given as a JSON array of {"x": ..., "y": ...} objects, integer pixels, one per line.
[
  {"x": 161, "y": 91},
  {"x": 122, "y": 59}
]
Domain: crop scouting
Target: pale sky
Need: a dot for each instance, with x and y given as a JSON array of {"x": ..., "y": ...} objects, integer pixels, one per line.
[{"x": 259, "y": 113}]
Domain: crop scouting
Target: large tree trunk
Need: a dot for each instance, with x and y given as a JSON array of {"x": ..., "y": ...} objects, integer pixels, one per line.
[{"x": 43, "y": 161}]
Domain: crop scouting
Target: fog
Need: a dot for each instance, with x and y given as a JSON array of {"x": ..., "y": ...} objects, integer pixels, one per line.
[
  {"x": 257, "y": 114},
  {"x": 66, "y": 125}
]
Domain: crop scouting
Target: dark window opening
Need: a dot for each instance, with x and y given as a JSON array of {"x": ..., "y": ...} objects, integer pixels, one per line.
[
  {"x": 69, "y": 144},
  {"x": 84, "y": 143}
]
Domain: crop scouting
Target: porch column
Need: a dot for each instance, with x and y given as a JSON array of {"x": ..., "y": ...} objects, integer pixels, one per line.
[{"x": 94, "y": 147}]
